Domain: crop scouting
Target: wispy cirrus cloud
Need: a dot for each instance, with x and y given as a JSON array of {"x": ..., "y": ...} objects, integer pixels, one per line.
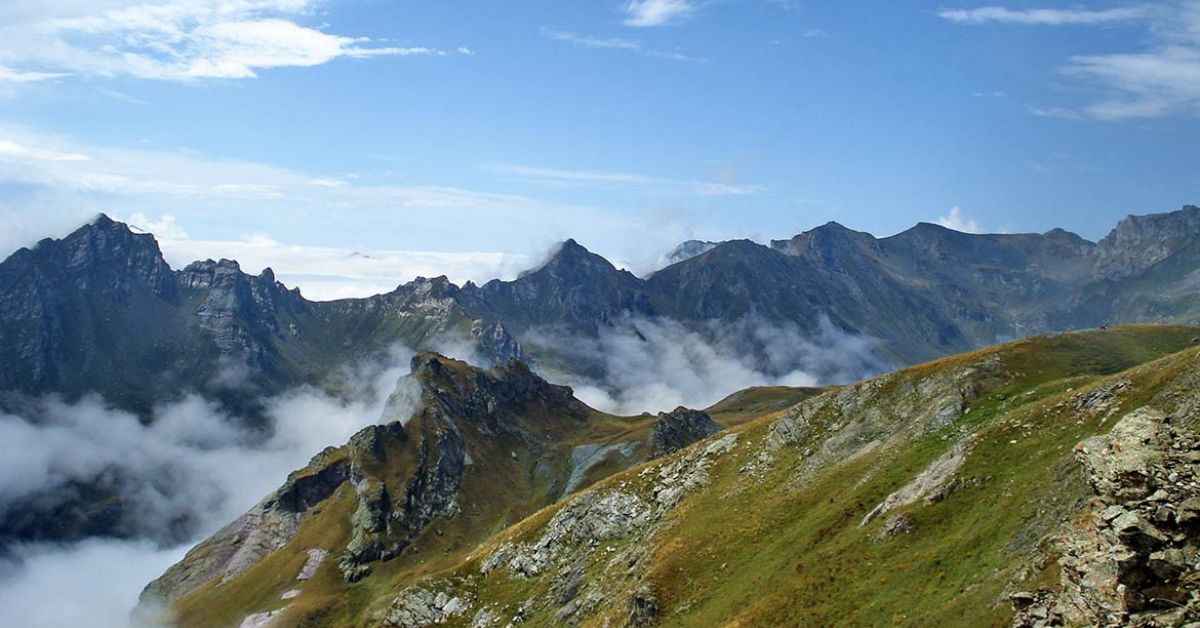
[
  {"x": 177, "y": 40},
  {"x": 657, "y": 12},
  {"x": 652, "y": 184},
  {"x": 1047, "y": 17},
  {"x": 615, "y": 43},
  {"x": 1161, "y": 79},
  {"x": 9, "y": 75}
]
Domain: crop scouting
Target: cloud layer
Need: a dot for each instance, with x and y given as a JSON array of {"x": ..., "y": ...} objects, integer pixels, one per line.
[
  {"x": 174, "y": 40},
  {"x": 652, "y": 365},
  {"x": 192, "y": 463}
]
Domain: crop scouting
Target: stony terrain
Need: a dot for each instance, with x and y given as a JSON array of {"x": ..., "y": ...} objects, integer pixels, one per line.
[
  {"x": 1046, "y": 481},
  {"x": 484, "y": 449}
]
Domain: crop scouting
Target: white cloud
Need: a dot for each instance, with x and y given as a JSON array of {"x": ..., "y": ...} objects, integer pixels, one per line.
[
  {"x": 176, "y": 39},
  {"x": 9, "y": 75},
  {"x": 326, "y": 273},
  {"x": 656, "y": 184},
  {"x": 327, "y": 182},
  {"x": 1148, "y": 84},
  {"x": 957, "y": 220},
  {"x": 652, "y": 365},
  {"x": 1048, "y": 17},
  {"x": 165, "y": 228},
  {"x": 616, "y": 43},
  {"x": 657, "y": 12},
  {"x": 1161, "y": 79},
  {"x": 193, "y": 462},
  {"x": 13, "y": 149}
]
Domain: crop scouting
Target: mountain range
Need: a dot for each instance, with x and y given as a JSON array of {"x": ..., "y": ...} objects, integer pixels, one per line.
[{"x": 101, "y": 311}]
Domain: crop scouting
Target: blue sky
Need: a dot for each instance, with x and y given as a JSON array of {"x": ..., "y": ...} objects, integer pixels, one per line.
[{"x": 469, "y": 136}]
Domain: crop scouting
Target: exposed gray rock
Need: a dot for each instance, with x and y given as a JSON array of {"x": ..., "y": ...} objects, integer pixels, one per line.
[
  {"x": 585, "y": 457},
  {"x": 928, "y": 482},
  {"x": 315, "y": 556},
  {"x": 261, "y": 620},
  {"x": 1135, "y": 560},
  {"x": 895, "y": 525},
  {"x": 265, "y": 528},
  {"x": 687, "y": 250},
  {"x": 585, "y": 521},
  {"x": 679, "y": 428},
  {"x": 642, "y": 608},
  {"x": 416, "y": 607}
]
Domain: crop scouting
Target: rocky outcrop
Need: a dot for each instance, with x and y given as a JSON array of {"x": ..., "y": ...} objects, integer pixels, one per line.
[
  {"x": 590, "y": 525},
  {"x": 585, "y": 457},
  {"x": 930, "y": 482},
  {"x": 416, "y": 607},
  {"x": 585, "y": 521},
  {"x": 679, "y": 428},
  {"x": 267, "y": 527},
  {"x": 1139, "y": 242},
  {"x": 495, "y": 341},
  {"x": 1133, "y": 559}
]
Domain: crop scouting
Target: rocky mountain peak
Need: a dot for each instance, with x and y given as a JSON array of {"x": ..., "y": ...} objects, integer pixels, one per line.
[
  {"x": 103, "y": 255},
  {"x": 572, "y": 259},
  {"x": 1139, "y": 242},
  {"x": 824, "y": 240},
  {"x": 687, "y": 250},
  {"x": 474, "y": 393}
]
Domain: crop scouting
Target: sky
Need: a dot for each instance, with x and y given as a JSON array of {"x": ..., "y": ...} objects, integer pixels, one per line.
[{"x": 354, "y": 144}]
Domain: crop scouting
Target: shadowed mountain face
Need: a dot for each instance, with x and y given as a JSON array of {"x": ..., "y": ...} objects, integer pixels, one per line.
[{"x": 101, "y": 311}]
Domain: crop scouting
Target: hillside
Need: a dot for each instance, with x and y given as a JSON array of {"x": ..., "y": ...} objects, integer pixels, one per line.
[
  {"x": 414, "y": 494},
  {"x": 958, "y": 492}
]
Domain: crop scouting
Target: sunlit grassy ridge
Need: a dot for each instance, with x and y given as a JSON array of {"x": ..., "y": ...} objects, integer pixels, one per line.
[{"x": 773, "y": 536}]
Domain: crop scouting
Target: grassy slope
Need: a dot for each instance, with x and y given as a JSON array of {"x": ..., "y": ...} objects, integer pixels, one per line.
[
  {"x": 498, "y": 494},
  {"x": 799, "y": 557},
  {"x": 789, "y": 552},
  {"x": 754, "y": 403}
]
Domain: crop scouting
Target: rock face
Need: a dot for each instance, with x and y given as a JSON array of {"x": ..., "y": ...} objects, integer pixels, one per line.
[
  {"x": 679, "y": 428},
  {"x": 1138, "y": 243},
  {"x": 268, "y": 527},
  {"x": 1133, "y": 561},
  {"x": 482, "y": 447},
  {"x": 588, "y": 528},
  {"x": 932, "y": 481}
]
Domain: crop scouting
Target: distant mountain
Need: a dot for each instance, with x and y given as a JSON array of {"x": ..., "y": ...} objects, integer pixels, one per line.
[
  {"x": 100, "y": 311},
  {"x": 687, "y": 250}
]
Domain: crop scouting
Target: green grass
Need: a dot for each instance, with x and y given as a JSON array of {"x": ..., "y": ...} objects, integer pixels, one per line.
[{"x": 787, "y": 549}]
